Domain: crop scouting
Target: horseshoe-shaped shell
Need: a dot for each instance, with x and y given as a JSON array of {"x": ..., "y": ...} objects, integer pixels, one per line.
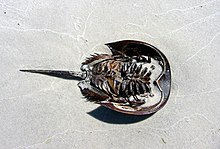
[{"x": 131, "y": 48}]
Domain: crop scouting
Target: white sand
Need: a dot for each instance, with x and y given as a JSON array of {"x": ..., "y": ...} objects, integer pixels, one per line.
[{"x": 38, "y": 111}]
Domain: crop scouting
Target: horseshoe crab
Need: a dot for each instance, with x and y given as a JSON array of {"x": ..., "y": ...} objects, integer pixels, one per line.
[{"x": 135, "y": 79}]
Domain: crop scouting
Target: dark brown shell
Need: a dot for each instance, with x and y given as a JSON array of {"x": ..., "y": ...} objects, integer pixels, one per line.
[{"x": 130, "y": 48}]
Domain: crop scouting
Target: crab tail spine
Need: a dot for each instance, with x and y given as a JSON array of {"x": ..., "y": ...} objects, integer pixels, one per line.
[{"x": 59, "y": 73}]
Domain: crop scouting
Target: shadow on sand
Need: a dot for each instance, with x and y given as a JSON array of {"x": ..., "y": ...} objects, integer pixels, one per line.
[{"x": 109, "y": 116}]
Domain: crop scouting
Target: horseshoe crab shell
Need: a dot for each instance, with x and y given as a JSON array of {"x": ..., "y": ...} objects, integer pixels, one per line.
[
  {"x": 135, "y": 79},
  {"x": 131, "y": 48}
]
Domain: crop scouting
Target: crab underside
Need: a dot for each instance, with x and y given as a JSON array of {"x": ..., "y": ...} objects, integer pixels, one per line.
[{"x": 134, "y": 79}]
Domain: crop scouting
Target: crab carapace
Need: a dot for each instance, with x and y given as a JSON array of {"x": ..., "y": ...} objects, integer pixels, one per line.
[{"x": 135, "y": 79}]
